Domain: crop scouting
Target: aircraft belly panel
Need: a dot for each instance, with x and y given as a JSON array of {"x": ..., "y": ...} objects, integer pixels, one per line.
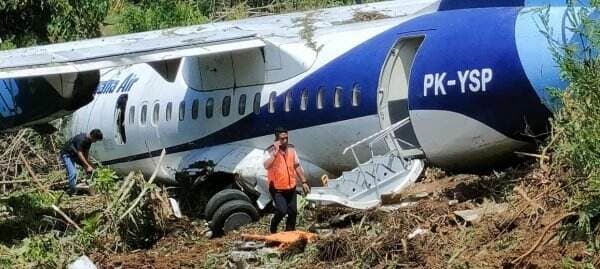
[{"x": 453, "y": 140}]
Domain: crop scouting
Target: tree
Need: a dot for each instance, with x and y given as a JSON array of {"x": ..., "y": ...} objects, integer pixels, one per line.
[
  {"x": 146, "y": 15},
  {"x": 27, "y": 22}
]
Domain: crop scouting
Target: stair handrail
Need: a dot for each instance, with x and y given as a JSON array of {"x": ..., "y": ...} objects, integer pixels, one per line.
[
  {"x": 379, "y": 135},
  {"x": 389, "y": 130}
]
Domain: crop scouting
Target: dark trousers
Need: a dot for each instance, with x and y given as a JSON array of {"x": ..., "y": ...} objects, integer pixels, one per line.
[{"x": 285, "y": 203}]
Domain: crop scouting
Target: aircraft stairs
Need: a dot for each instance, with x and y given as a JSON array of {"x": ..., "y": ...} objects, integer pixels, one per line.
[{"x": 364, "y": 186}]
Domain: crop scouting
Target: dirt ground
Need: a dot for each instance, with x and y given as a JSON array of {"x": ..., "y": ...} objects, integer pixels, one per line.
[{"x": 378, "y": 239}]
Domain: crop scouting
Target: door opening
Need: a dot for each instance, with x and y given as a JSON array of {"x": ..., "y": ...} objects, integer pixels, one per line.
[
  {"x": 120, "y": 137},
  {"x": 393, "y": 103}
]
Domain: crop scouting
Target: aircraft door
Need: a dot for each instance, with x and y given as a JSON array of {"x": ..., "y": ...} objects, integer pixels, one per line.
[
  {"x": 393, "y": 91},
  {"x": 119, "y": 120}
]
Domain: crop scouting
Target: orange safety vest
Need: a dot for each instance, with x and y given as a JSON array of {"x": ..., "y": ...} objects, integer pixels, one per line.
[{"x": 282, "y": 173}]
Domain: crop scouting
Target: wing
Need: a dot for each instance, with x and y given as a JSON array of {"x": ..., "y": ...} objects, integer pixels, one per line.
[
  {"x": 39, "y": 84},
  {"x": 100, "y": 53}
]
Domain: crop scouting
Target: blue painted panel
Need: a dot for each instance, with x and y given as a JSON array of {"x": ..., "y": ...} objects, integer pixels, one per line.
[
  {"x": 477, "y": 39},
  {"x": 535, "y": 53},
  {"x": 26, "y": 100},
  {"x": 8, "y": 91},
  {"x": 535, "y": 50},
  {"x": 463, "y": 4},
  {"x": 554, "y": 2}
]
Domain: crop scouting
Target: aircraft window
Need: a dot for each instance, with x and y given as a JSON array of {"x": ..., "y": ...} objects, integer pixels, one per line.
[
  {"x": 304, "y": 100},
  {"x": 226, "y": 106},
  {"x": 337, "y": 98},
  {"x": 155, "y": 113},
  {"x": 242, "y": 105},
  {"x": 132, "y": 115},
  {"x": 182, "y": 111},
  {"x": 272, "y": 97},
  {"x": 288, "y": 102},
  {"x": 195, "y": 106},
  {"x": 320, "y": 96},
  {"x": 143, "y": 114},
  {"x": 356, "y": 95},
  {"x": 169, "y": 111},
  {"x": 257, "y": 103},
  {"x": 209, "y": 107}
]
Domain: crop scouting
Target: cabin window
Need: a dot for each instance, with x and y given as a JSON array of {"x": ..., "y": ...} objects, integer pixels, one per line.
[
  {"x": 195, "y": 106},
  {"x": 242, "y": 105},
  {"x": 182, "y": 111},
  {"x": 132, "y": 115},
  {"x": 256, "y": 106},
  {"x": 356, "y": 95},
  {"x": 320, "y": 96},
  {"x": 304, "y": 100},
  {"x": 272, "y": 99},
  {"x": 337, "y": 97},
  {"x": 288, "y": 102},
  {"x": 168, "y": 111},
  {"x": 155, "y": 113},
  {"x": 209, "y": 107},
  {"x": 226, "y": 106},
  {"x": 143, "y": 114}
]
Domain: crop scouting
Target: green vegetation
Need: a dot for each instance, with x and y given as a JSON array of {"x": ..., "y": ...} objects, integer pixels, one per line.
[
  {"x": 105, "y": 181},
  {"x": 148, "y": 15},
  {"x": 26, "y": 23},
  {"x": 575, "y": 139}
]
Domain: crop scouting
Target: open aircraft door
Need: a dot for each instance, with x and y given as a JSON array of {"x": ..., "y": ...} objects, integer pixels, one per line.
[{"x": 392, "y": 95}]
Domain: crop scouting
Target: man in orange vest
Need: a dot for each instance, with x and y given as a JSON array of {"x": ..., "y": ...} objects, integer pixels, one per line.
[{"x": 283, "y": 167}]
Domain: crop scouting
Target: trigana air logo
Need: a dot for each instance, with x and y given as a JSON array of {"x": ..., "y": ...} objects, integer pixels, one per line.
[
  {"x": 115, "y": 86},
  {"x": 8, "y": 91}
]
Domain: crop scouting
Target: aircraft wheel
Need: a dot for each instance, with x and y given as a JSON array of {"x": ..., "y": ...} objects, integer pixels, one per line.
[
  {"x": 222, "y": 197},
  {"x": 233, "y": 215}
]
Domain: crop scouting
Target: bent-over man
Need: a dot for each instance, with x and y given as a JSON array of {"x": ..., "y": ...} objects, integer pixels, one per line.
[{"x": 77, "y": 150}]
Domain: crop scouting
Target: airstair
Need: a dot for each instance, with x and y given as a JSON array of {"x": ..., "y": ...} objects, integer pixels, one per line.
[{"x": 364, "y": 186}]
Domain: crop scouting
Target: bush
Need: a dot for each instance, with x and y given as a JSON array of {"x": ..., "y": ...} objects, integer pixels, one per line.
[{"x": 576, "y": 126}]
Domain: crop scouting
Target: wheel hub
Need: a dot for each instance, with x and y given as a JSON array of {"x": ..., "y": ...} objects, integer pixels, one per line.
[{"x": 236, "y": 220}]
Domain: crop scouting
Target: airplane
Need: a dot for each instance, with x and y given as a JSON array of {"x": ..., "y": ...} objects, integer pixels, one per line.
[{"x": 458, "y": 84}]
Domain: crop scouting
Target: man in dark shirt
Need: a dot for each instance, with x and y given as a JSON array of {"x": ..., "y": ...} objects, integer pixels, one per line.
[{"x": 77, "y": 150}]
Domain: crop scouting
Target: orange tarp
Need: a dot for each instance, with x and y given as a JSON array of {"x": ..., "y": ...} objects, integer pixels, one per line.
[{"x": 283, "y": 240}]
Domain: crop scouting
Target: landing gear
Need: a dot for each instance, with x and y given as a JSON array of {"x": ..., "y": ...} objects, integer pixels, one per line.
[
  {"x": 212, "y": 195},
  {"x": 232, "y": 215},
  {"x": 221, "y": 198}
]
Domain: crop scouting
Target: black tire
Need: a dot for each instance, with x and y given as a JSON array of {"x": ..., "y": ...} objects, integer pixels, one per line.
[
  {"x": 237, "y": 207},
  {"x": 222, "y": 197}
]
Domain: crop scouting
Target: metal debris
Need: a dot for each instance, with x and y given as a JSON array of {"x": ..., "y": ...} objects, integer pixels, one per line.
[
  {"x": 475, "y": 215},
  {"x": 82, "y": 262}
]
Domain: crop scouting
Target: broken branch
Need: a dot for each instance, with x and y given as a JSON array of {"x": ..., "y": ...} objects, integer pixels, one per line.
[
  {"x": 69, "y": 220},
  {"x": 33, "y": 175},
  {"x": 537, "y": 243},
  {"x": 137, "y": 200},
  {"x": 532, "y": 203}
]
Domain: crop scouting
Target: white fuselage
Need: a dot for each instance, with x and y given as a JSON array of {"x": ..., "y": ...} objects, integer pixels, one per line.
[{"x": 288, "y": 59}]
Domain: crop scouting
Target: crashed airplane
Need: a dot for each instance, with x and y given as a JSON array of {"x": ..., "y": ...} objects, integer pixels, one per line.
[{"x": 456, "y": 83}]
